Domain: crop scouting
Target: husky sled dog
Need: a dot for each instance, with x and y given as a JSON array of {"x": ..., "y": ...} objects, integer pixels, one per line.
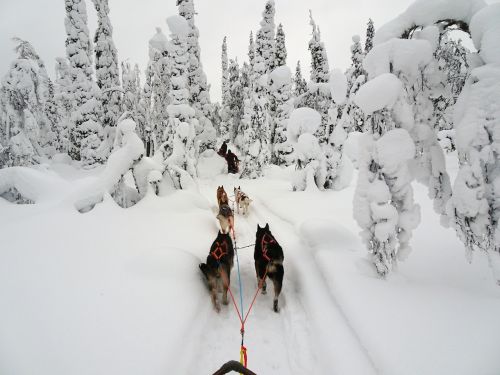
[
  {"x": 242, "y": 200},
  {"x": 268, "y": 256},
  {"x": 225, "y": 215},
  {"x": 222, "y": 197},
  {"x": 218, "y": 267}
]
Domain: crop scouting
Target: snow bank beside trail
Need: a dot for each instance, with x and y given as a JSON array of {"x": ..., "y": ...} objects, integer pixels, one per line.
[
  {"x": 485, "y": 32},
  {"x": 381, "y": 92},
  {"x": 428, "y": 12},
  {"x": 37, "y": 186},
  {"x": 121, "y": 286},
  {"x": 85, "y": 192},
  {"x": 405, "y": 56}
]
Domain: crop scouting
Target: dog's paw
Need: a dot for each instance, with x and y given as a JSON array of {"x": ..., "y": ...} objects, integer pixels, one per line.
[
  {"x": 275, "y": 307},
  {"x": 217, "y": 308}
]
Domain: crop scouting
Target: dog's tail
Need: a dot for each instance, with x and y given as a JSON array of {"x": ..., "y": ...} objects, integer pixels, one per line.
[{"x": 204, "y": 269}]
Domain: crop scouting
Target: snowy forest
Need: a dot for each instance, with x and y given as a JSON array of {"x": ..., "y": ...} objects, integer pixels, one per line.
[{"x": 108, "y": 171}]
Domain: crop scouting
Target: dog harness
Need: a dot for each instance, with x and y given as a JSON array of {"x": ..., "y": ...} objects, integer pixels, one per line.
[
  {"x": 264, "y": 242},
  {"x": 219, "y": 251}
]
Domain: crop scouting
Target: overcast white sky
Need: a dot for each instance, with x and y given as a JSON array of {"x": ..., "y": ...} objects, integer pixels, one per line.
[{"x": 42, "y": 23}]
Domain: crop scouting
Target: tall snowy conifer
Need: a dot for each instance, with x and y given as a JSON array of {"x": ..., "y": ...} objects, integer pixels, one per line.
[
  {"x": 225, "y": 116},
  {"x": 225, "y": 72},
  {"x": 235, "y": 102},
  {"x": 160, "y": 83},
  {"x": 280, "y": 82},
  {"x": 280, "y": 53},
  {"x": 356, "y": 68},
  {"x": 23, "y": 94},
  {"x": 107, "y": 74},
  {"x": 370, "y": 33},
  {"x": 180, "y": 133},
  {"x": 299, "y": 83},
  {"x": 198, "y": 86},
  {"x": 64, "y": 102},
  {"x": 256, "y": 115},
  {"x": 86, "y": 131},
  {"x": 318, "y": 96}
]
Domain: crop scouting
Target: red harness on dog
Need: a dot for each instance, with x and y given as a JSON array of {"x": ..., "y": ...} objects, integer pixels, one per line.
[
  {"x": 264, "y": 244},
  {"x": 219, "y": 251}
]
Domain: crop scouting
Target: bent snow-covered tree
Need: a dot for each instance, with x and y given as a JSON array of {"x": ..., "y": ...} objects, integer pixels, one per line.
[{"x": 471, "y": 206}]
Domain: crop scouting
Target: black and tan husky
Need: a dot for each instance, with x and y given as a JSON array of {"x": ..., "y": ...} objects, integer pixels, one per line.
[
  {"x": 268, "y": 256},
  {"x": 218, "y": 267}
]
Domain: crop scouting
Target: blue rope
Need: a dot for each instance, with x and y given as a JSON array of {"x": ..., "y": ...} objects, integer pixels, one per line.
[{"x": 239, "y": 277}]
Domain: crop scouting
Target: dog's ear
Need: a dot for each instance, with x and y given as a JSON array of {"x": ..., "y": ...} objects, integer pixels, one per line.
[
  {"x": 267, "y": 226},
  {"x": 258, "y": 226}
]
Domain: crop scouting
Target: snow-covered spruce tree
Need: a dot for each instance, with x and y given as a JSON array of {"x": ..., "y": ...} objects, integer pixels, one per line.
[
  {"x": 23, "y": 94},
  {"x": 255, "y": 138},
  {"x": 129, "y": 84},
  {"x": 318, "y": 91},
  {"x": 161, "y": 60},
  {"x": 246, "y": 92},
  {"x": 86, "y": 132},
  {"x": 279, "y": 60},
  {"x": 310, "y": 162},
  {"x": 474, "y": 208},
  {"x": 64, "y": 102},
  {"x": 413, "y": 62},
  {"x": 256, "y": 114},
  {"x": 356, "y": 68},
  {"x": 141, "y": 116},
  {"x": 235, "y": 100},
  {"x": 225, "y": 72},
  {"x": 179, "y": 138},
  {"x": 339, "y": 169},
  {"x": 265, "y": 41},
  {"x": 107, "y": 74},
  {"x": 451, "y": 58},
  {"x": 199, "y": 89},
  {"x": 383, "y": 202},
  {"x": 51, "y": 113},
  {"x": 370, "y": 33},
  {"x": 280, "y": 84},
  {"x": 299, "y": 83},
  {"x": 280, "y": 53},
  {"x": 224, "y": 124},
  {"x": 251, "y": 51}
]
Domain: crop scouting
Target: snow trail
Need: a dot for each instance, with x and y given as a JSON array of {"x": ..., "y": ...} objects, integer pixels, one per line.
[{"x": 278, "y": 343}]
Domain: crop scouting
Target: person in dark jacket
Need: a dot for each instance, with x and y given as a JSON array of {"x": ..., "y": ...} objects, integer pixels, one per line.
[
  {"x": 232, "y": 162},
  {"x": 223, "y": 149},
  {"x": 149, "y": 143}
]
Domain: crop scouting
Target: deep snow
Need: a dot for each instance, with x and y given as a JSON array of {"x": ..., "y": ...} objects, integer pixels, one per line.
[{"x": 119, "y": 291}]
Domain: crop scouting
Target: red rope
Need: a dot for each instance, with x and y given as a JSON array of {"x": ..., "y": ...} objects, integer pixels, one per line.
[
  {"x": 259, "y": 287},
  {"x": 226, "y": 281}
]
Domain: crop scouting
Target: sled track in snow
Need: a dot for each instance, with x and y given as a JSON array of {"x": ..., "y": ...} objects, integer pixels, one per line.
[{"x": 367, "y": 366}]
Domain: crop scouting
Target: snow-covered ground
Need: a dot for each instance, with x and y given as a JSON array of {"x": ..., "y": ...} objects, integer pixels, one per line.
[{"x": 118, "y": 291}]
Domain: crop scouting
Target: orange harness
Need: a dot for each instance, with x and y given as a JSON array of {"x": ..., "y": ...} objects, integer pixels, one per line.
[
  {"x": 264, "y": 243},
  {"x": 219, "y": 251}
]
